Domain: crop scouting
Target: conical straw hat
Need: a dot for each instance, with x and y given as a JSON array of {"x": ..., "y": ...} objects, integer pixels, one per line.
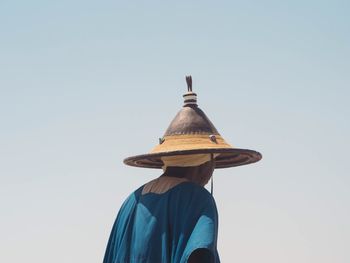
[{"x": 191, "y": 132}]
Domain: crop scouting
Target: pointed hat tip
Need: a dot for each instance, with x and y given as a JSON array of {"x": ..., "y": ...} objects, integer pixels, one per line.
[
  {"x": 189, "y": 83},
  {"x": 190, "y": 97}
]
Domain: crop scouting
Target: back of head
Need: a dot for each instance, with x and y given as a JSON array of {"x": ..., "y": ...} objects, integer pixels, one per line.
[{"x": 197, "y": 174}]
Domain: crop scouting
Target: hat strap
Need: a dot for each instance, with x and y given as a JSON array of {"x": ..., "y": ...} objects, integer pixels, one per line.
[{"x": 212, "y": 180}]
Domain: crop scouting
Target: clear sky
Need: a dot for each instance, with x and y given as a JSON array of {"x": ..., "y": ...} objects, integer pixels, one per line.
[{"x": 84, "y": 84}]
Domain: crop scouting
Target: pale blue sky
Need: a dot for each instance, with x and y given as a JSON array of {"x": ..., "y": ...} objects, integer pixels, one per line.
[{"x": 84, "y": 84}]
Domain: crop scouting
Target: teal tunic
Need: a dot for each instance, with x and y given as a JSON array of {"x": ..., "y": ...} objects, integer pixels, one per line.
[{"x": 162, "y": 228}]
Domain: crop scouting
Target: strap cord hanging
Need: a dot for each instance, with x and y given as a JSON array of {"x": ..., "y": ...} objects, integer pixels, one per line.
[{"x": 212, "y": 176}]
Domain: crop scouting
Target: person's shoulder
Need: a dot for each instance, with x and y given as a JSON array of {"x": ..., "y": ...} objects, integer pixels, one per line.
[
  {"x": 195, "y": 190},
  {"x": 185, "y": 186},
  {"x": 132, "y": 199},
  {"x": 196, "y": 200}
]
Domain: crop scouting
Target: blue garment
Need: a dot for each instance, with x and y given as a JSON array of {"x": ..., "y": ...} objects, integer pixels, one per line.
[{"x": 164, "y": 228}]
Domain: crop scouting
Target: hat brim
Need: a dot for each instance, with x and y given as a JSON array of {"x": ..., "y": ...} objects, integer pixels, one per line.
[{"x": 229, "y": 157}]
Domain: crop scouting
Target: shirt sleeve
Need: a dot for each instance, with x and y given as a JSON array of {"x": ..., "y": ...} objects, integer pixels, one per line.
[
  {"x": 120, "y": 234},
  {"x": 204, "y": 230}
]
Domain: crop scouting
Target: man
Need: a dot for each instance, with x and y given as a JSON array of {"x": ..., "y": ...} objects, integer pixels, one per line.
[{"x": 174, "y": 218}]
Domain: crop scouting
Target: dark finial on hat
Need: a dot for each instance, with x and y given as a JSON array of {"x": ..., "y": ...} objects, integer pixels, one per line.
[
  {"x": 189, "y": 83},
  {"x": 190, "y": 97}
]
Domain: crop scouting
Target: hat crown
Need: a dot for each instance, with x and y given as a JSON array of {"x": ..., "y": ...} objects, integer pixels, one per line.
[{"x": 190, "y": 120}]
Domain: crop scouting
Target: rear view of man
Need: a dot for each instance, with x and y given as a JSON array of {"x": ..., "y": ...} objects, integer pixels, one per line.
[{"x": 174, "y": 218}]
